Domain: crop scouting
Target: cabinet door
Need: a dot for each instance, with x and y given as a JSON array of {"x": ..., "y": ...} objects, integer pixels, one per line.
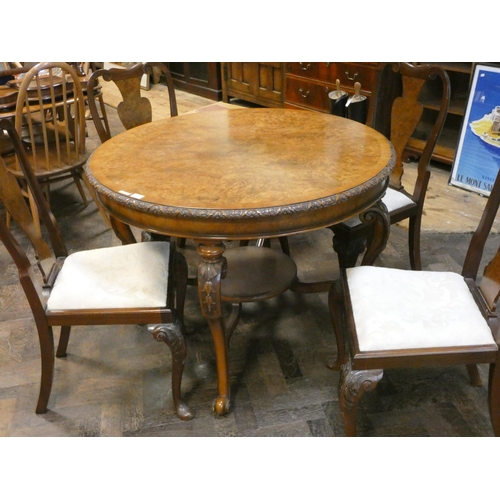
[
  {"x": 199, "y": 78},
  {"x": 261, "y": 83},
  {"x": 238, "y": 77},
  {"x": 269, "y": 81}
]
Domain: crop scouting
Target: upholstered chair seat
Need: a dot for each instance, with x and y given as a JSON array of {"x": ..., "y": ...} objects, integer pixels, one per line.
[
  {"x": 129, "y": 276},
  {"x": 400, "y": 309}
]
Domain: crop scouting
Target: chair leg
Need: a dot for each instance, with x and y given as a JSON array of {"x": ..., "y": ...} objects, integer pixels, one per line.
[
  {"x": 352, "y": 385},
  {"x": 285, "y": 247},
  {"x": 475, "y": 378},
  {"x": 62, "y": 346},
  {"x": 77, "y": 178},
  {"x": 494, "y": 396},
  {"x": 348, "y": 247},
  {"x": 415, "y": 224},
  {"x": 46, "y": 339},
  {"x": 335, "y": 304},
  {"x": 172, "y": 336},
  {"x": 181, "y": 281}
]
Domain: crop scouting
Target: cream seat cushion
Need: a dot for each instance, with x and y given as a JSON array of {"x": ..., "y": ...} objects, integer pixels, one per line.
[
  {"x": 125, "y": 276},
  {"x": 400, "y": 309},
  {"x": 393, "y": 200}
]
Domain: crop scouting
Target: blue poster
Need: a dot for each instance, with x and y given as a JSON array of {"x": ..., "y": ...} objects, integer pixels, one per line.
[{"x": 477, "y": 160}]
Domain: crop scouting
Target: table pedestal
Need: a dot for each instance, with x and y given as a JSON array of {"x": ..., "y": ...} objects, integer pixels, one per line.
[{"x": 211, "y": 271}]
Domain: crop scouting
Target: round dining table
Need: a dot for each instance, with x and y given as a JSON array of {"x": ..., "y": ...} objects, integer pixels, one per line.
[{"x": 241, "y": 174}]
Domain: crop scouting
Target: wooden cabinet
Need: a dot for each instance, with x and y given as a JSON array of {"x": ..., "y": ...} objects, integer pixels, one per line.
[
  {"x": 199, "y": 78},
  {"x": 460, "y": 75},
  {"x": 307, "y": 84},
  {"x": 260, "y": 83}
]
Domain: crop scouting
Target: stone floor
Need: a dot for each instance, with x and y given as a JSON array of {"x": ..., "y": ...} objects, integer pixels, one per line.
[{"x": 115, "y": 381}]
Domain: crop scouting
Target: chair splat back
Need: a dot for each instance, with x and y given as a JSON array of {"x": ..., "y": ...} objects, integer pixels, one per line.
[
  {"x": 12, "y": 198},
  {"x": 406, "y": 114},
  {"x": 135, "y": 109},
  {"x": 403, "y": 84},
  {"x": 56, "y": 241},
  {"x": 13, "y": 201}
]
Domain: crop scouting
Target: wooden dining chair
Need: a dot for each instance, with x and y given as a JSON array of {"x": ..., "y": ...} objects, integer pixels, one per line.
[
  {"x": 50, "y": 119},
  {"x": 392, "y": 318},
  {"x": 135, "y": 108},
  {"x": 397, "y": 110},
  {"x": 135, "y": 284}
]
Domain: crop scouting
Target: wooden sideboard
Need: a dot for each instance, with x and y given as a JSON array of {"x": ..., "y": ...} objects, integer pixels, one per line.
[{"x": 307, "y": 84}]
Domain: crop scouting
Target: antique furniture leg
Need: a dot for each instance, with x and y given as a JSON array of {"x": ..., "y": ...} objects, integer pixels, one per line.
[
  {"x": 494, "y": 396},
  {"x": 352, "y": 385},
  {"x": 172, "y": 336},
  {"x": 46, "y": 337},
  {"x": 335, "y": 303},
  {"x": 62, "y": 346},
  {"x": 475, "y": 378},
  {"x": 348, "y": 247},
  {"x": 210, "y": 273},
  {"x": 414, "y": 243}
]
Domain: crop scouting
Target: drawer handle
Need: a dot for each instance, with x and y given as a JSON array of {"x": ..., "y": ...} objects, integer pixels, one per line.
[
  {"x": 303, "y": 94},
  {"x": 352, "y": 78},
  {"x": 305, "y": 68}
]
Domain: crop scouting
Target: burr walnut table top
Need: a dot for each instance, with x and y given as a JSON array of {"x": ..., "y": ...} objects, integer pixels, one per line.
[{"x": 241, "y": 173}]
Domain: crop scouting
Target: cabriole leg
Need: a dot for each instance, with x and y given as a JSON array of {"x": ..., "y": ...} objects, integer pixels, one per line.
[
  {"x": 352, "y": 385},
  {"x": 46, "y": 338},
  {"x": 172, "y": 336},
  {"x": 210, "y": 273}
]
